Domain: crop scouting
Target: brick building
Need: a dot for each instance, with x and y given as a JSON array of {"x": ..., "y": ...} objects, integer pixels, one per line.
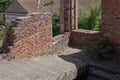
[{"x": 32, "y": 34}]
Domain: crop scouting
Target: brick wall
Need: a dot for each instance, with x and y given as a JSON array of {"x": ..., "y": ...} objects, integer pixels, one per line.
[
  {"x": 111, "y": 20},
  {"x": 85, "y": 37},
  {"x": 31, "y": 35}
]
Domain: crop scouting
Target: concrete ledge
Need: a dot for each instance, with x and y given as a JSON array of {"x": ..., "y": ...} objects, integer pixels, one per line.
[
  {"x": 50, "y": 67},
  {"x": 60, "y": 42}
]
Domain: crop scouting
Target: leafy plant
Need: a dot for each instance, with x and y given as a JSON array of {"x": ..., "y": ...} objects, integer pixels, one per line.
[
  {"x": 56, "y": 28},
  {"x": 102, "y": 49},
  {"x": 2, "y": 32},
  {"x": 91, "y": 21},
  {"x": 56, "y": 23},
  {"x": 1, "y": 19},
  {"x": 82, "y": 19},
  {"x": 52, "y": 2},
  {"x": 4, "y": 4}
]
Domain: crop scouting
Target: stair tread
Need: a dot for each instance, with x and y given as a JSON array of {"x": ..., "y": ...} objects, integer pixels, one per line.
[
  {"x": 90, "y": 77},
  {"x": 107, "y": 68},
  {"x": 104, "y": 74}
]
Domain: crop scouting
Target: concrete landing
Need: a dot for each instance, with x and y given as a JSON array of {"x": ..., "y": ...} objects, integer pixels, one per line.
[{"x": 50, "y": 67}]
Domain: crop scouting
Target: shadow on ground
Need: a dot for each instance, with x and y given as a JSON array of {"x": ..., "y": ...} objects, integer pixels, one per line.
[
  {"x": 81, "y": 66},
  {"x": 85, "y": 59}
]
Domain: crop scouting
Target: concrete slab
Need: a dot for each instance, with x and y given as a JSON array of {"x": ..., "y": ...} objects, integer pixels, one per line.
[{"x": 52, "y": 67}]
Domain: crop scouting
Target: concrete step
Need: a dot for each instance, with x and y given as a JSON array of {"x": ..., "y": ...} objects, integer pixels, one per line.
[
  {"x": 50, "y": 67},
  {"x": 103, "y": 74},
  {"x": 24, "y": 70},
  {"x": 91, "y": 77},
  {"x": 6, "y": 74},
  {"x": 56, "y": 67},
  {"x": 114, "y": 69}
]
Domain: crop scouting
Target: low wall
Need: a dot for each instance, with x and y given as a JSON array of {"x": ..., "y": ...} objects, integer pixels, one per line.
[
  {"x": 60, "y": 42},
  {"x": 31, "y": 35},
  {"x": 85, "y": 37}
]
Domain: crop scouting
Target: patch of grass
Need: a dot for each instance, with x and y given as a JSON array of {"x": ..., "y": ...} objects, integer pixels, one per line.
[{"x": 102, "y": 49}]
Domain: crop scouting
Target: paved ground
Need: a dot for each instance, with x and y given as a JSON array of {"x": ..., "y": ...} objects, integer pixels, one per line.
[{"x": 50, "y": 67}]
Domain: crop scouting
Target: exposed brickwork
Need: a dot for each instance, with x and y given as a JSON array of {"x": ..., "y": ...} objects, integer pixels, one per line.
[
  {"x": 85, "y": 37},
  {"x": 31, "y": 35},
  {"x": 69, "y": 15},
  {"x": 111, "y": 20}
]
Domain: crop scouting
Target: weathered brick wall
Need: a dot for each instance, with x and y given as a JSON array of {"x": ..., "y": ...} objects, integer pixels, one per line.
[
  {"x": 111, "y": 20},
  {"x": 31, "y": 35},
  {"x": 85, "y": 37}
]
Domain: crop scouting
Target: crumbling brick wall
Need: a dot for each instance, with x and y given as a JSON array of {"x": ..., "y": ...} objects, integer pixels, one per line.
[
  {"x": 31, "y": 35},
  {"x": 111, "y": 21}
]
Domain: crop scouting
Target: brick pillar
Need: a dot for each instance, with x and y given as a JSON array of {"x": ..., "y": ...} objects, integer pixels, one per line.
[
  {"x": 76, "y": 14},
  {"x": 61, "y": 16},
  {"x": 111, "y": 21},
  {"x": 72, "y": 24},
  {"x": 69, "y": 17}
]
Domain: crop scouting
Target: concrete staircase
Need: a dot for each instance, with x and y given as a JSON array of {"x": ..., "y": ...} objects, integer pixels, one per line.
[
  {"x": 50, "y": 67},
  {"x": 100, "y": 72},
  {"x": 97, "y": 70}
]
